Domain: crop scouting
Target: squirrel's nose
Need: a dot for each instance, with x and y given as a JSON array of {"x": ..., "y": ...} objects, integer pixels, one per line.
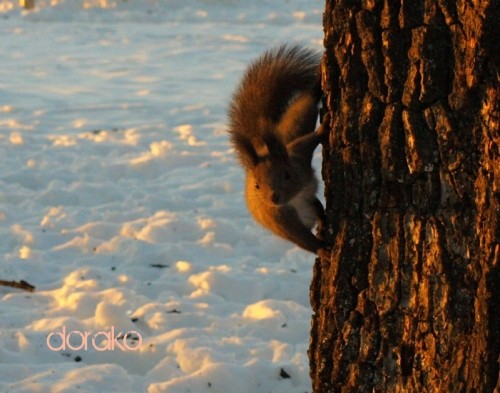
[{"x": 275, "y": 198}]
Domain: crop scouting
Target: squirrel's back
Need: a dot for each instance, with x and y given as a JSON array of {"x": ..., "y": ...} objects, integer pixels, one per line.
[{"x": 267, "y": 88}]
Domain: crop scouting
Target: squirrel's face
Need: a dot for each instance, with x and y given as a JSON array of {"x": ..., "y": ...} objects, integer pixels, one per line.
[
  {"x": 273, "y": 177},
  {"x": 275, "y": 183}
]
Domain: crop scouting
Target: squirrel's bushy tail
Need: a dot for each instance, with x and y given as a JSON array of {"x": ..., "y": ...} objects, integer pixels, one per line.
[{"x": 269, "y": 85}]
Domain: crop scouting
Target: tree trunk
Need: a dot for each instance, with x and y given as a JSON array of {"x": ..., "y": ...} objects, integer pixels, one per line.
[{"x": 410, "y": 299}]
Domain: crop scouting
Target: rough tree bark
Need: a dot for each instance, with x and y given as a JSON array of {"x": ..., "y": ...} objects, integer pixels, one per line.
[{"x": 410, "y": 300}]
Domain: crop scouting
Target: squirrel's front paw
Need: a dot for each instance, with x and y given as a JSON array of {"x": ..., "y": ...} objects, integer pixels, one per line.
[
  {"x": 324, "y": 126},
  {"x": 326, "y": 118},
  {"x": 324, "y": 253}
]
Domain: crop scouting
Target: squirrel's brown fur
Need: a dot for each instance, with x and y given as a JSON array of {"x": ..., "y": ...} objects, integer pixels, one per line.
[{"x": 272, "y": 117}]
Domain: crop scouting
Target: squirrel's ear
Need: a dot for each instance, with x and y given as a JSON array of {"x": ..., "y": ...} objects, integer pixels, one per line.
[
  {"x": 277, "y": 150},
  {"x": 246, "y": 152}
]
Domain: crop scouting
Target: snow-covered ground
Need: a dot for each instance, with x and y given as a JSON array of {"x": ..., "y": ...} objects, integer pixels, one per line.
[{"x": 121, "y": 201}]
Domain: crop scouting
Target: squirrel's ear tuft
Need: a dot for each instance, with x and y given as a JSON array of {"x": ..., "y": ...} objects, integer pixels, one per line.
[
  {"x": 277, "y": 150},
  {"x": 245, "y": 150}
]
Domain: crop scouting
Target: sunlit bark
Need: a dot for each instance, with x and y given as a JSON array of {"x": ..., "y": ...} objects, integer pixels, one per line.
[{"x": 410, "y": 300}]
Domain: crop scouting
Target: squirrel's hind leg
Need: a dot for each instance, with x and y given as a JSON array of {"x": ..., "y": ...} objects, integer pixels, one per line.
[{"x": 300, "y": 118}]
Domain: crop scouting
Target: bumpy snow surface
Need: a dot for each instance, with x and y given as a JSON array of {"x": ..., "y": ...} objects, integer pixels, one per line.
[{"x": 121, "y": 201}]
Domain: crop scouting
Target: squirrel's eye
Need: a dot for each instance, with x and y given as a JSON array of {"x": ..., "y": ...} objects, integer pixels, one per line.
[
  {"x": 286, "y": 175},
  {"x": 257, "y": 186}
]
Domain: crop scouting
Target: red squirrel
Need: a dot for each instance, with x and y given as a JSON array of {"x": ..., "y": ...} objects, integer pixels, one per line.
[{"x": 272, "y": 117}]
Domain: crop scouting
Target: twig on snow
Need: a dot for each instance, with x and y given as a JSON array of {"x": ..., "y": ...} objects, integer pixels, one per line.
[{"x": 21, "y": 285}]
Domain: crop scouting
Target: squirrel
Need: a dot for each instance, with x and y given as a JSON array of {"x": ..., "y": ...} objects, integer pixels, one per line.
[{"x": 272, "y": 120}]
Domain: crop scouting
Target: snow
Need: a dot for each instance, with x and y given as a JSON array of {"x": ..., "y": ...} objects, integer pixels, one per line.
[{"x": 121, "y": 201}]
